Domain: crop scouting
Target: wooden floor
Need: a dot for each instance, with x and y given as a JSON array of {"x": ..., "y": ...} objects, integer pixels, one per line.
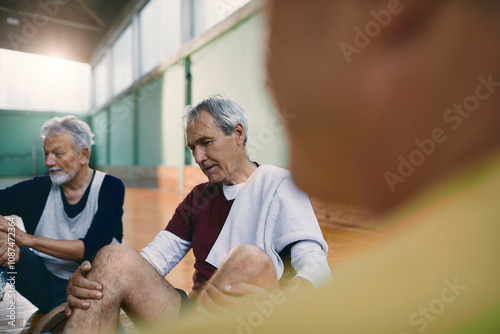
[{"x": 147, "y": 211}]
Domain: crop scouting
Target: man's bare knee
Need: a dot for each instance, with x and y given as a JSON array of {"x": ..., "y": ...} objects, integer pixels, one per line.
[
  {"x": 247, "y": 263},
  {"x": 115, "y": 260},
  {"x": 251, "y": 255}
]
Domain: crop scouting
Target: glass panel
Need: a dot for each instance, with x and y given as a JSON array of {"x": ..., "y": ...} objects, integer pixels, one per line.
[
  {"x": 208, "y": 13},
  {"x": 101, "y": 81},
  {"x": 41, "y": 83},
  {"x": 123, "y": 62},
  {"x": 160, "y": 32}
]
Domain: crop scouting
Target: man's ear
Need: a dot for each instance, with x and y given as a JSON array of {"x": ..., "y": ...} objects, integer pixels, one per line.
[
  {"x": 83, "y": 155},
  {"x": 239, "y": 133}
]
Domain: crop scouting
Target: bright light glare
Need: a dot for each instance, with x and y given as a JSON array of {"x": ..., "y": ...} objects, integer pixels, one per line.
[
  {"x": 41, "y": 83},
  {"x": 55, "y": 65}
]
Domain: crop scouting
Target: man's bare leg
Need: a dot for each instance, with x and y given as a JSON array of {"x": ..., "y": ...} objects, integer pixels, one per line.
[{"x": 130, "y": 282}]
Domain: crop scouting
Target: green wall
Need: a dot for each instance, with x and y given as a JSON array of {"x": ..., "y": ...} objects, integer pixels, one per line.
[
  {"x": 128, "y": 132},
  {"x": 121, "y": 144},
  {"x": 149, "y": 123},
  {"x": 99, "y": 125}
]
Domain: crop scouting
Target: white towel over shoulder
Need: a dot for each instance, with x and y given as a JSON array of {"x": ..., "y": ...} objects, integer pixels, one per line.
[{"x": 269, "y": 212}]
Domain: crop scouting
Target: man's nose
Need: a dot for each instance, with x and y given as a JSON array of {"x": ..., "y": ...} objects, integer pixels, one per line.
[
  {"x": 199, "y": 155},
  {"x": 49, "y": 160}
]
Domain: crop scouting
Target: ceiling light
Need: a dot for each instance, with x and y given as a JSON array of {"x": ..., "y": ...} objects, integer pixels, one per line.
[{"x": 13, "y": 21}]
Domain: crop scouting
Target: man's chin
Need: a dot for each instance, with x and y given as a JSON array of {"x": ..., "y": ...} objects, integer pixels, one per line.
[
  {"x": 59, "y": 179},
  {"x": 62, "y": 177},
  {"x": 213, "y": 179}
]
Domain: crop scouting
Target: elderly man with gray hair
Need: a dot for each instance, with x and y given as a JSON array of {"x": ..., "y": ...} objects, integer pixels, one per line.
[
  {"x": 240, "y": 224},
  {"x": 69, "y": 215}
]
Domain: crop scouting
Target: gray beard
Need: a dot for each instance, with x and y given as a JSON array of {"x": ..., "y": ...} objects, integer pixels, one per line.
[{"x": 63, "y": 177}]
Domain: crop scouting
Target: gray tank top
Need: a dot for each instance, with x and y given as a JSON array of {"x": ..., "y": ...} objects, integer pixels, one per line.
[{"x": 55, "y": 224}]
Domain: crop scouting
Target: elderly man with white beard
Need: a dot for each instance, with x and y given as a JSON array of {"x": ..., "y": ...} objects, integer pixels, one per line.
[{"x": 69, "y": 215}]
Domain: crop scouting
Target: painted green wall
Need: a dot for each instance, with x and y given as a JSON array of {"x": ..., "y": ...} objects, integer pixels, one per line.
[
  {"x": 129, "y": 131},
  {"x": 149, "y": 123},
  {"x": 99, "y": 125},
  {"x": 121, "y": 132}
]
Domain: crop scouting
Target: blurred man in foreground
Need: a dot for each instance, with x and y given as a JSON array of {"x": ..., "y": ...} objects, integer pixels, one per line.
[{"x": 398, "y": 106}]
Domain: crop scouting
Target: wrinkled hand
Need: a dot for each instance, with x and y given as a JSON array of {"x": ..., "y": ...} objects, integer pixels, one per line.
[
  {"x": 8, "y": 246},
  {"x": 215, "y": 301},
  {"x": 16, "y": 233},
  {"x": 80, "y": 288}
]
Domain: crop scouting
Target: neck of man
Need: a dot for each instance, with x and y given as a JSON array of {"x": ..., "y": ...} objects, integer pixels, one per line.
[
  {"x": 81, "y": 180},
  {"x": 244, "y": 170}
]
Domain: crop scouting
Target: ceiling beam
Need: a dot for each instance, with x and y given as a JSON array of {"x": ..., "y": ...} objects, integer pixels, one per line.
[
  {"x": 123, "y": 19},
  {"x": 54, "y": 20},
  {"x": 92, "y": 14}
]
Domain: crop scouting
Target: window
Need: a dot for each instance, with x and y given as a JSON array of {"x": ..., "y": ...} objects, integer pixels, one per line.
[
  {"x": 41, "y": 83},
  {"x": 123, "y": 61},
  {"x": 160, "y": 32},
  {"x": 101, "y": 81},
  {"x": 208, "y": 13}
]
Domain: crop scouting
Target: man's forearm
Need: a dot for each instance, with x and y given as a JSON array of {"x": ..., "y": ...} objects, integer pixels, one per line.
[
  {"x": 310, "y": 262},
  {"x": 71, "y": 250}
]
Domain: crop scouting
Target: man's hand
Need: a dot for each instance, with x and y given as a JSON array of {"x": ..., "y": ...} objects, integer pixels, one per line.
[
  {"x": 9, "y": 226},
  {"x": 215, "y": 301},
  {"x": 9, "y": 250},
  {"x": 79, "y": 288}
]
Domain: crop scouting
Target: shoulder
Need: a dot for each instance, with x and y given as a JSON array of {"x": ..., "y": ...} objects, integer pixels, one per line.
[
  {"x": 112, "y": 188},
  {"x": 203, "y": 191},
  {"x": 269, "y": 178},
  {"x": 273, "y": 172},
  {"x": 37, "y": 189},
  {"x": 206, "y": 188},
  {"x": 111, "y": 181},
  {"x": 283, "y": 184},
  {"x": 36, "y": 183},
  {"x": 42, "y": 180}
]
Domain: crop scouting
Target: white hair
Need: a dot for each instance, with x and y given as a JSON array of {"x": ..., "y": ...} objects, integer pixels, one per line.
[
  {"x": 78, "y": 130},
  {"x": 225, "y": 112}
]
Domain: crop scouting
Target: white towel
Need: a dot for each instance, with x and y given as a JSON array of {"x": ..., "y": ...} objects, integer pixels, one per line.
[{"x": 269, "y": 212}]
